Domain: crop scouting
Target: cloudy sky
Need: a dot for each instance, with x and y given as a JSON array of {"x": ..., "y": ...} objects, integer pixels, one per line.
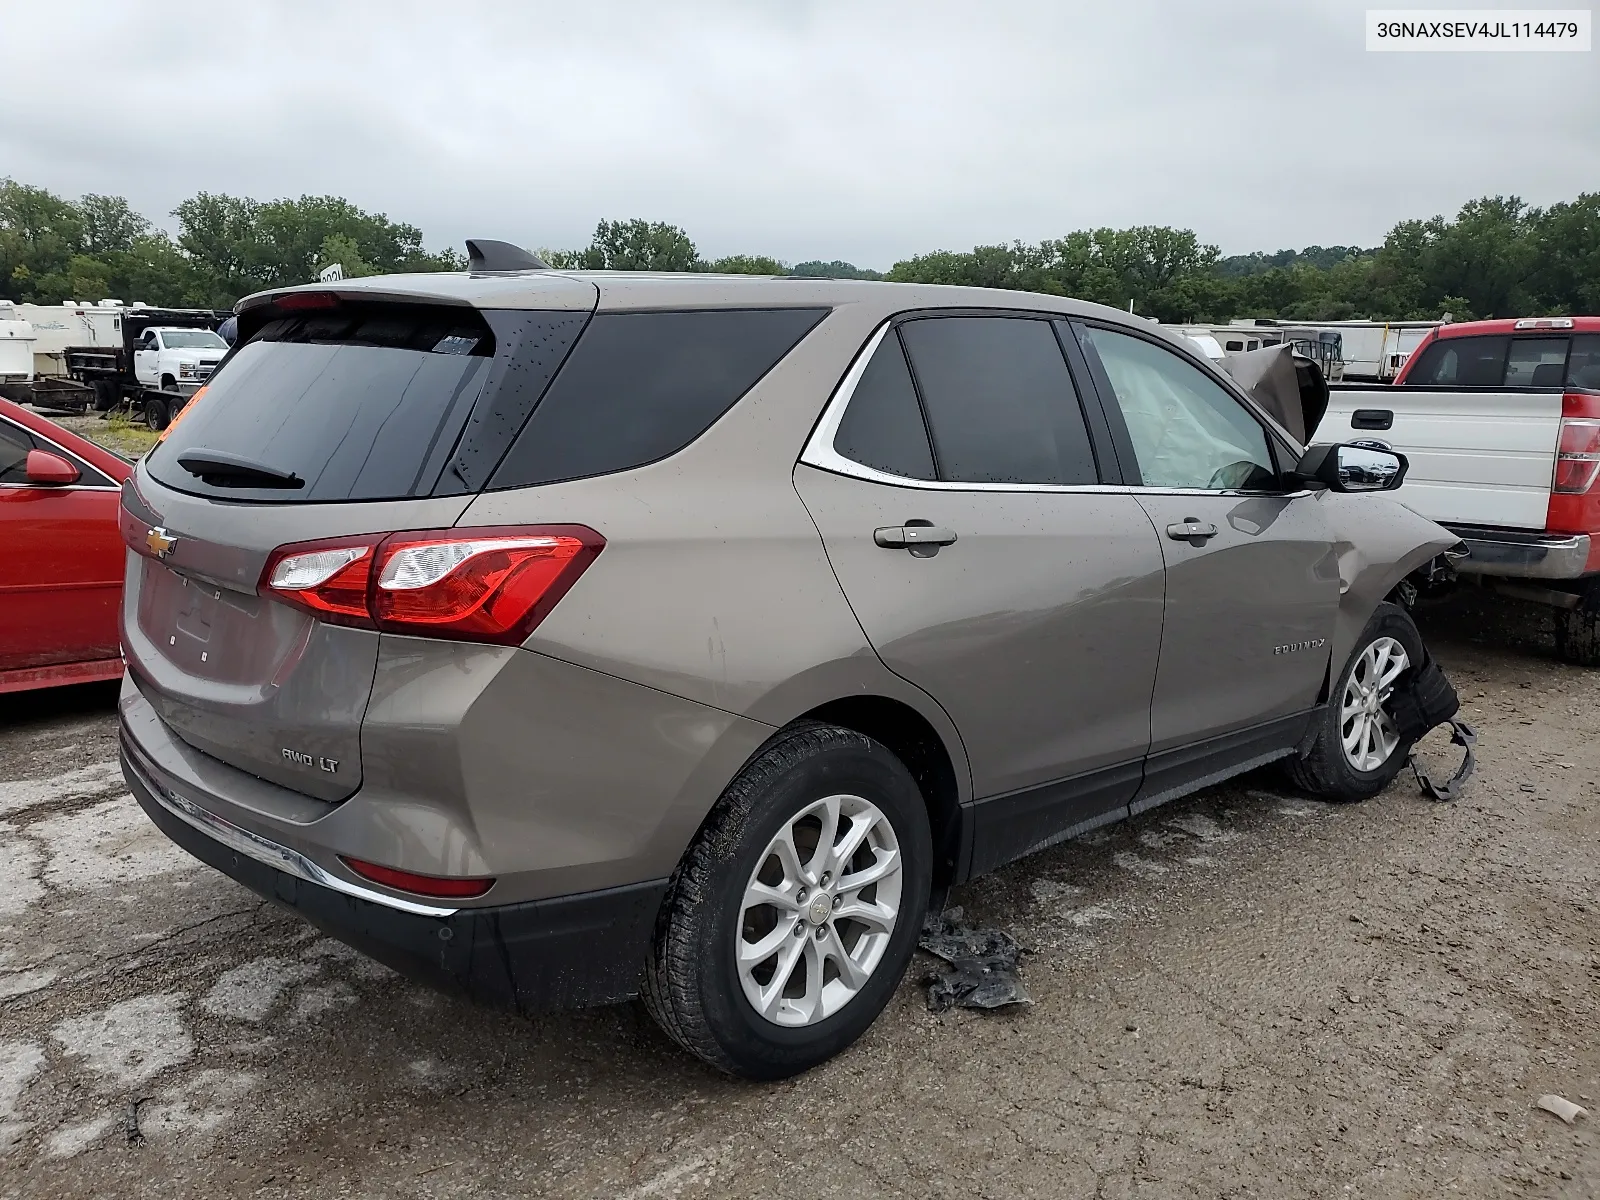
[{"x": 866, "y": 130}]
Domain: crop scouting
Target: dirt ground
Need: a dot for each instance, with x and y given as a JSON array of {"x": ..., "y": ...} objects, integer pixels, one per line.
[{"x": 1245, "y": 994}]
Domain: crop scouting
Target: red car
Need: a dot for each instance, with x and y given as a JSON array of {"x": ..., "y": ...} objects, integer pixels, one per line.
[{"x": 61, "y": 570}]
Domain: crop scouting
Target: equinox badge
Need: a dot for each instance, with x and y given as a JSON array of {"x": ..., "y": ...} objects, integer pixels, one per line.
[{"x": 160, "y": 542}]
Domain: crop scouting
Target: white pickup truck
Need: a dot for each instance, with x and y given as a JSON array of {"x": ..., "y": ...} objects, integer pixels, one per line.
[
  {"x": 176, "y": 360},
  {"x": 1501, "y": 423}
]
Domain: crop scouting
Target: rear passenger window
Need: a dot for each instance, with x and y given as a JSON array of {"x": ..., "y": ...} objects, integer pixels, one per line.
[
  {"x": 999, "y": 400},
  {"x": 882, "y": 427},
  {"x": 640, "y": 386},
  {"x": 1536, "y": 362}
]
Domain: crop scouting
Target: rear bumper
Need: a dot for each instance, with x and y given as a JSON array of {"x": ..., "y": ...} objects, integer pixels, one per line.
[
  {"x": 565, "y": 952},
  {"x": 1516, "y": 555}
]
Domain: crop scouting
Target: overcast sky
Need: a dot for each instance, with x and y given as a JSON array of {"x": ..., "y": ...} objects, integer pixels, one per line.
[{"x": 804, "y": 129}]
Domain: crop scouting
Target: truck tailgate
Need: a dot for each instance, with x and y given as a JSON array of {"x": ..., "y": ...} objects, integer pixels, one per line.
[{"x": 1479, "y": 456}]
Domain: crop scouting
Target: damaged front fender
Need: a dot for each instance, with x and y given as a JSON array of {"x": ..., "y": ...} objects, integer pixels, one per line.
[{"x": 1378, "y": 542}]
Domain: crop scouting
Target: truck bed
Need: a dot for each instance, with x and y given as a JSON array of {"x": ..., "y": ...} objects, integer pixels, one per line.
[{"x": 1479, "y": 456}]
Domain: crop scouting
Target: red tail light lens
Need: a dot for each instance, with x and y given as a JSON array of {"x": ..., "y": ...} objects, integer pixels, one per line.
[
  {"x": 329, "y": 579},
  {"x": 487, "y": 584},
  {"x": 451, "y": 887},
  {"x": 1577, "y": 455},
  {"x": 478, "y": 584}
]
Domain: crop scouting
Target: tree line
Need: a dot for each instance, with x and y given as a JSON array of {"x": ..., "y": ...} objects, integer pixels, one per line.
[{"x": 1497, "y": 257}]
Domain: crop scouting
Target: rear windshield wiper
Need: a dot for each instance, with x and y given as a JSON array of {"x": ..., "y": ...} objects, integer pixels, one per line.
[{"x": 229, "y": 470}]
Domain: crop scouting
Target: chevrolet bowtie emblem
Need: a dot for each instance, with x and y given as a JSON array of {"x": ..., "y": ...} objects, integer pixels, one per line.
[{"x": 160, "y": 542}]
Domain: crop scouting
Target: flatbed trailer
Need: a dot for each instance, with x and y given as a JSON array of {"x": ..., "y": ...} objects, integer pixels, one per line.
[{"x": 105, "y": 375}]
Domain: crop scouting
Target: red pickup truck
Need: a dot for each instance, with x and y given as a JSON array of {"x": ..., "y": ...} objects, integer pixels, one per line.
[
  {"x": 61, "y": 572},
  {"x": 1501, "y": 422}
]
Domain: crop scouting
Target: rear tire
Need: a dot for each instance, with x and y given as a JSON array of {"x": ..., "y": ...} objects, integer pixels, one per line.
[
  {"x": 1578, "y": 636},
  {"x": 1330, "y": 769},
  {"x": 106, "y": 395},
  {"x": 707, "y": 971},
  {"x": 157, "y": 414}
]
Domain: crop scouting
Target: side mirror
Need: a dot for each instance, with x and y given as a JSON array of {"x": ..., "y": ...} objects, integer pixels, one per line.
[
  {"x": 50, "y": 469},
  {"x": 1349, "y": 467}
]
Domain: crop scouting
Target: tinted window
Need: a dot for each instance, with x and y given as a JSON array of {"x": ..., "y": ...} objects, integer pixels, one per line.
[
  {"x": 1583, "y": 368},
  {"x": 1187, "y": 430},
  {"x": 1462, "y": 361},
  {"x": 362, "y": 403},
  {"x": 14, "y": 447},
  {"x": 883, "y": 425},
  {"x": 999, "y": 401},
  {"x": 641, "y": 386},
  {"x": 1536, "y": 362}
]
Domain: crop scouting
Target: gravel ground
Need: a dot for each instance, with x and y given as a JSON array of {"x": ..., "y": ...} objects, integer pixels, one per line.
[{"x": 1245, "y": 994}]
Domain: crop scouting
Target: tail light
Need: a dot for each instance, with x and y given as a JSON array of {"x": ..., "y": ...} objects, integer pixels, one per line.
[
  {"x": 1577, "y": 455},
  {"x": 490, "y": 584}
]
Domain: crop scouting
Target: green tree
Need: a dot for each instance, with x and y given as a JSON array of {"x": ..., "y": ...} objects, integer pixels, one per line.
[
  {"x": 834, "y": 269},
  {"x": 748, "y": 264},
  {"x": 640, "y": 245},
  {"x": 109, "y": 225}
]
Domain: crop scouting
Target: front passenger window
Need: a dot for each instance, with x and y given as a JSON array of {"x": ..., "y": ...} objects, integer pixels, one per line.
[{"x": 1187, "y": 431}]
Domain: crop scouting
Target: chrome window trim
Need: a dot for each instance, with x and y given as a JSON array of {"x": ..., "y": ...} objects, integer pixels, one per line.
[
  {"x": 264, "y": 850},
  {"x": 820, "y": 453}
]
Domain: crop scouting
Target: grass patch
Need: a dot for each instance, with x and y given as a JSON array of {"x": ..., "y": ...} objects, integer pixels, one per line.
[{"x": 121, "y": 436}]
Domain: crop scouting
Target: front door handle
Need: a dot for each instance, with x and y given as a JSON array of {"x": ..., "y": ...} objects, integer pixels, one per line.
[
  {"x": 922, "y": 540},
  {"x": 1192, "y": 530}
]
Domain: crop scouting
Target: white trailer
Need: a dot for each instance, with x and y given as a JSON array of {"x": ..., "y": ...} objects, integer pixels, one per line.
[
  {"x": 57, "y": 326},
  {"x": 1371, "y": 351},
  {"x": 16, "y": 346}
]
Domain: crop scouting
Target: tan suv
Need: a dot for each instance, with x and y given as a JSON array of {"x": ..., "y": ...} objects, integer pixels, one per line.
[{"x": 547, "y": 635}]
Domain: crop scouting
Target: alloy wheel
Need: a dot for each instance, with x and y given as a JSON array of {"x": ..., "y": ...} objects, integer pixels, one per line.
[
  {"x": 1366, "y": 730},
  {"x": 818, "y": 911}
]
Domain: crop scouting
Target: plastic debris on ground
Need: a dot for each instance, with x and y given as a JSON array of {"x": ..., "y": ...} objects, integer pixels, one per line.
[
  {"x": 981, "y": 965},
  {"x": 1562, "y": 1107}
]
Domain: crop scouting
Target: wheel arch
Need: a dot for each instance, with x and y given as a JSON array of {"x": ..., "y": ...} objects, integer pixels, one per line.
[{"x": 914, "y": 740}]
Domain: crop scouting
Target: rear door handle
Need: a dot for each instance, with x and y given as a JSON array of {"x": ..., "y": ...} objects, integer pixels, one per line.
[
  {"x": 925, "y": 539},
  {"x": 1192, "y": 530}
]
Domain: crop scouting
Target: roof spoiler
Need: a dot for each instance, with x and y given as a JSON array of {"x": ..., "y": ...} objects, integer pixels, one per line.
[{"x": 487, "y": 256}]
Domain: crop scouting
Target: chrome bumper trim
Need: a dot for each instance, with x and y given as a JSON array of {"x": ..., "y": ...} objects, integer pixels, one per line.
[
  {"x": 1530, "y": 557},
  {"x": 264, "y": 850}
]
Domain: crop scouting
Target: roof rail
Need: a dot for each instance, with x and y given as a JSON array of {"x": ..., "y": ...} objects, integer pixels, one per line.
[{"x": 487, "y": 256}]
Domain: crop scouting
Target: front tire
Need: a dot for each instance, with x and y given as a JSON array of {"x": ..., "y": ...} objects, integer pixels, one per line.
[
  {"x": 790, "y": 921},
  {"x": 1356, "y": 752}
]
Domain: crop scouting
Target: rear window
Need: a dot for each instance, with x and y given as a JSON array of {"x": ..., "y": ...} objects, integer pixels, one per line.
[
  {"x": 1462, "y": 362},
  {"x": 1536, "y": 362},
  {"x": 1583, "y": 368},
  {"x": 641, "y": 386},
  {"x": 360, "y": 402}
]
